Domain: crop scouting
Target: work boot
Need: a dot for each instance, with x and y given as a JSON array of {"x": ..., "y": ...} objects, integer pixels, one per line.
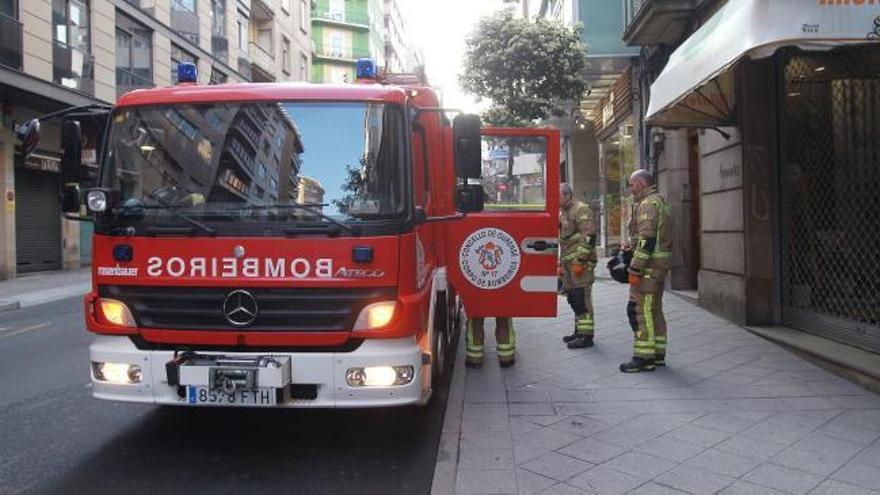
[
  {"x": 507, "y": 362},
  {"x": 568, "y": 338},
  {"x": 581, "y": 342},
  {"x": 473, "y": 364},
  {"x": 660, "y": 360},
  {"x": 637, "y": 365}
]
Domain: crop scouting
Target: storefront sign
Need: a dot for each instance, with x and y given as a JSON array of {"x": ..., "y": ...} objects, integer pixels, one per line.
[{"x": 43, "y": 163}]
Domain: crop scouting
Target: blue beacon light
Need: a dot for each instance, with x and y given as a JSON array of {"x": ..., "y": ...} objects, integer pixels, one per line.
[
  {"x": 186, "y": 73},
  {"x": 366, "y": 69}
]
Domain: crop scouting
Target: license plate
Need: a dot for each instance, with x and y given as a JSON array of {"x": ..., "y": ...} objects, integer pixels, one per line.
[{"x": 254, "y": 397}]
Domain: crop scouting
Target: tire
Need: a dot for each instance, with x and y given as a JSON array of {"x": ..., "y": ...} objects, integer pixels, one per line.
[{"x": 440, "y": 345}]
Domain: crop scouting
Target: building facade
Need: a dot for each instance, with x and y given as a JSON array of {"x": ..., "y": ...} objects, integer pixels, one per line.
[
  {"x": 60, "y": 53},
  {"x": 344, "y": 31},
  {"x": 761, "y": 124}
]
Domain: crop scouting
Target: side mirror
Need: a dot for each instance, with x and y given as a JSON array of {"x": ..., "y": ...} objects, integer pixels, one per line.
[
  {"x": 71, "y": 145},
  {"x": 29, "y": 135},
  {"x": 71, "y": 198},
  {"x": 469, "y": 198},
  {"x": 467, "y": 146}
]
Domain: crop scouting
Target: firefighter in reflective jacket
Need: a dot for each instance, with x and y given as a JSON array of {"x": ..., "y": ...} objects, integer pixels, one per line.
[
  {"x": 505, "y": 340},
  {"x": 649, "y": 232},
  {"x": 577, "y": 244}
]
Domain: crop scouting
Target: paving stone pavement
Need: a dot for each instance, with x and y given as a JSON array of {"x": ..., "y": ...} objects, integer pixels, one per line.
[{"x": 731, "y": 414}]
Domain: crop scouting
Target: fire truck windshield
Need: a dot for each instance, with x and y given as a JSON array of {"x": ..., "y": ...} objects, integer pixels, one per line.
[{"x": 256, "y": 163}]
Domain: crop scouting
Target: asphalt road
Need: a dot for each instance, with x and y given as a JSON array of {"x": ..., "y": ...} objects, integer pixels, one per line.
[{"x": 55, "y": 438}]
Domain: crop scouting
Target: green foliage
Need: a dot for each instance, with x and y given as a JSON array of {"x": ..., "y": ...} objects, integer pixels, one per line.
[{"x": 528, "y": 69}]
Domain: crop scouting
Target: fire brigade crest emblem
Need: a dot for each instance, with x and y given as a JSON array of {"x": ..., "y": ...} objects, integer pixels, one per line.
[
  {"x": 490, "y": 255},
  {"x": 489, "y": 258}
]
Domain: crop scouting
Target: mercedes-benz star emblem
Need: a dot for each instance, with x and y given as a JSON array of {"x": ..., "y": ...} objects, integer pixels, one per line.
[{"x": 240, "y": 308}]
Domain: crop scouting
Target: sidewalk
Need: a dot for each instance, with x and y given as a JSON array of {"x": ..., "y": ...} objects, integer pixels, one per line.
[
  {"x": 732, "y": 413},
  {"x": 30, "y": 290}
]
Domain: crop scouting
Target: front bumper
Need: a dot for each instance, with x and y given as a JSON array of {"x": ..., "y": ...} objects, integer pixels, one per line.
[{"x": 325, "y": 371}]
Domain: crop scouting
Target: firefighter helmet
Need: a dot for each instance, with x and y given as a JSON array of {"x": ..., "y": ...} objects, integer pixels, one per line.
[{"x": 618, "y": 266}]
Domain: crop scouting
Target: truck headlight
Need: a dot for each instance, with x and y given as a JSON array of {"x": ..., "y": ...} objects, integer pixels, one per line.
[
  {"x": 119, "y": 373},
  {"x": 379, "y": 376},
  {"x": 97, "y": 201},
  {"x": 375, "y": 315},
  {"x": 117, "y": 313}
]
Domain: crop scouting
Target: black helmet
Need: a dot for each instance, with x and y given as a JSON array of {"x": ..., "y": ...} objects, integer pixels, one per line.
[{"x": 618, "y": 266}]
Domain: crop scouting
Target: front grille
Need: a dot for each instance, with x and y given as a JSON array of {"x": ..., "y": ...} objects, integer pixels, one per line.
[{"x": 201, "y": 308}]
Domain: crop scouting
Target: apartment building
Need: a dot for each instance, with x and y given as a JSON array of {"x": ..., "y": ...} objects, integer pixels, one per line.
[
  {"x": 401, "y": 54},
  {"x": 60, "y": 53},
  {"x": 344, "y": 31}
]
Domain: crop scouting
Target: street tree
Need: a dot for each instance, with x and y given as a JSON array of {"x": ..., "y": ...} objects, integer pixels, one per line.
[{"x": 529, "y": 69}]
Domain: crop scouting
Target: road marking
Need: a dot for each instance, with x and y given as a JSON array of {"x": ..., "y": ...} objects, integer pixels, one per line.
[{"x": 25, "y": 330}]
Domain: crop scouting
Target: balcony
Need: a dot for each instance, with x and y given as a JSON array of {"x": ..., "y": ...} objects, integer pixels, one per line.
[
  {"x": 346, "y": 54},
  {"x": 656, "y": 22},
  {"x": 263, "y": 61},
  {"x": 73, "y": 68},
  {"x": 264, "y": 10},
  {"x": 343, "y": 18},
  {"x": 127, "y": 80},
  {"x": 10, "y": 42}
]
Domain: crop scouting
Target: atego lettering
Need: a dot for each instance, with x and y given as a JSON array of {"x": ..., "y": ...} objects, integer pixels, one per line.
[{"x": 229, "y": 267}]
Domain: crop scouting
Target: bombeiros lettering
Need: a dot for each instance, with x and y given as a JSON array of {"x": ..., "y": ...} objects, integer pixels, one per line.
[{"x": 230, "y": 267}]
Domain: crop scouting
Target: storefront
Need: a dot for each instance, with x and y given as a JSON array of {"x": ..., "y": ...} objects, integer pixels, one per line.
[
  {"x": 618, "y": 154},
  {"x": 787, "y": 95},
  {"x": 37, "y": 218}
]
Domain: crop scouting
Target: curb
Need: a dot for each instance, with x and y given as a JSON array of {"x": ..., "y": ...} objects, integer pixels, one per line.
[
  {"x": 446, "y": 464},
  {"x": 6, "y": 305},
  {"x": 854, "y": 364}
]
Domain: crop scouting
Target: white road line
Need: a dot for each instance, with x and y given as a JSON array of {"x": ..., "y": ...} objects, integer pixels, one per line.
[{"x": 25, "y": 330}]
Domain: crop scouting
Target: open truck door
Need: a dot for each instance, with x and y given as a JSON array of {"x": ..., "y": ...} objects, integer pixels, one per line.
[{"x": 507, "y": 253}]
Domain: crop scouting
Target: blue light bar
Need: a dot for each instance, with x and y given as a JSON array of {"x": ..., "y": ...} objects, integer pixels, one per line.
[
  {"x": 186, "y": 73},
  {"x": 366, "y": 69}
]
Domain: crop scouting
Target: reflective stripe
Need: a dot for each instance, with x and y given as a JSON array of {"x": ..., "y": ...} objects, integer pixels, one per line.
[
  {"x": 658, "y": 254},
  {"x": 642, "y": 256}
]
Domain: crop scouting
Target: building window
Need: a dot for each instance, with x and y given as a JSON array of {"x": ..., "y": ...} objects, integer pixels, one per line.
[
  {"x": 337, "y": 10},
  {"x": 184, "y": 19},
  {"x": 243, "y": 26},
  {"x": 179, "y": 55},
  {"x": 285, "y": 55},
  {"x": 336, "y": 43},
  {"x": 305, "y": 16},
  {"x": 303, "y": 67},
  {"x": 219, "y": 40},
  {"x": 285, "y": 6},
  {"x": 134, "y": 55},
  {"x": 71, "y": 20},
  {"x": 72, "y": 63}
]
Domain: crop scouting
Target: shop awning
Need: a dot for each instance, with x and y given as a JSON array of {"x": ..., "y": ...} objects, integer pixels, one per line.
[{"x": 696, "y": 88}]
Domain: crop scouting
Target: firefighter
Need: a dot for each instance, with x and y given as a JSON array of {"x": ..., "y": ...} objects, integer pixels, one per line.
[
  {"x": 505, "y": 340},
  {"x": 652, "y": 248},
  {"x": 577, "y": 244}
]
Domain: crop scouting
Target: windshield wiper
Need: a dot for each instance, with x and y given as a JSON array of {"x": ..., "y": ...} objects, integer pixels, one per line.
[
  {"x": 307, "y": 207},
  {"x": 174, "y": 210}
]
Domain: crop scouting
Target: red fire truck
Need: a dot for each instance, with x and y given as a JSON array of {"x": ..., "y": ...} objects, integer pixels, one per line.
[{"x": 297, "y": 245}]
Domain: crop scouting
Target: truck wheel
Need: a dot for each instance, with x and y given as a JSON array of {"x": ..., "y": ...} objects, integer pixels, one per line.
[{"x": 441, "y": 333}]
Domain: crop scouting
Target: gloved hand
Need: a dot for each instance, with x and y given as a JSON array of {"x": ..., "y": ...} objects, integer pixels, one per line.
[
  {"x": 633, "y": 280},
  {"x": 577, "y": 269}
]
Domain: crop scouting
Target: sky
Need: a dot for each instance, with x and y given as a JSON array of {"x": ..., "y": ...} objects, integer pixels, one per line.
[{"x": 440, "y": 28}]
